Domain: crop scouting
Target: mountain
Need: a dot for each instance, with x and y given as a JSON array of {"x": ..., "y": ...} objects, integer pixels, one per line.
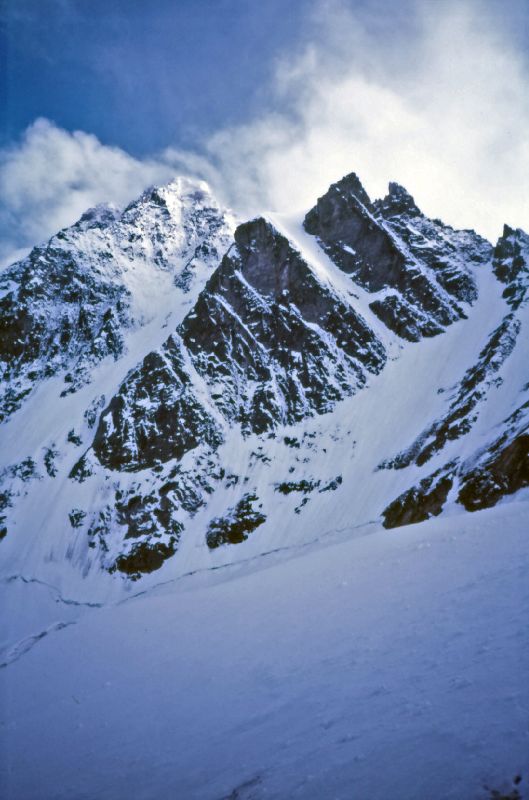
[
  {"x": 174, "y": 381},
  {"x": 488, "y": 409},
  {"x": 419, "y": 270},
  {"x": 212, "y": 432}
]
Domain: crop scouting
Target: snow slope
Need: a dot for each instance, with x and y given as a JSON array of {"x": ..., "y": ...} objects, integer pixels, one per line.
[{"x": 389, "y": 666}]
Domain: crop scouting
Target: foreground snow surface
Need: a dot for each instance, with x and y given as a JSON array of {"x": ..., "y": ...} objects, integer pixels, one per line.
[{"x": 385, "y": 665}]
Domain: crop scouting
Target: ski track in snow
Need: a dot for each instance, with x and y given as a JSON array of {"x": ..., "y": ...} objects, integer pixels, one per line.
[{"x": 24, "y": 646}]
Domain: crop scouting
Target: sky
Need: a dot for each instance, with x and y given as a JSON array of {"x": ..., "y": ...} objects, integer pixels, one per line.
[{"x": 270, "y": 101}]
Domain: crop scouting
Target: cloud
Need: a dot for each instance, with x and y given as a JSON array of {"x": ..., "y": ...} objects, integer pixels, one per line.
[
  {"x": 50, "y": 177},
  {"x": 432, "y": 95},
  {"x": 440, "y": 105}
]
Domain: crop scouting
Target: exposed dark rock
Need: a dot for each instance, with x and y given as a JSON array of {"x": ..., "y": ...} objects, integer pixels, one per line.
[
  {"x": 464, "y": 407},
  {"x": 192, "y": 486},
  {"x": 345, "y": 224},
  {"x": 297, "y": 486},
  {"x": 302, "y": 505},
  {"x": 58, "y": 314},
  {"x": 492, "y": 473},
  {"x": 73, "y": 438},
  {"x": 50, "y": 454},
  {"x": 272, "y": 343},
  {"x": 155, "y": 416},
  {"x": 76, "y": 517},
  {"x": 81, "y": 470},
  {"x": 13, "y": 480},
  {"x": 511, "y": 264},
  {"x": 503, "y": 472},
  {"x": 332, "y": 485},
  {"x": 420, "y": 502},
  {"x": 238, "y": 523},
  {"x": 390, "y": 244},
  {"x": 277, "y": 343},
  {"x": 6, "y": 498},
  {"x": 397, "y": 203},
  {"x": 144, "y": 558},
  {"x": 404, "y": 319},
  {"x": 268, "y": 343},
  {"x": 67, "y": 305},
  {"x": 449, "y": 253},
  {"x": 91, "y": 414},
  {"x": 292, "y": 441},
  {"x": 25, "y": 470},
  {"x": 146, "y": 515}
]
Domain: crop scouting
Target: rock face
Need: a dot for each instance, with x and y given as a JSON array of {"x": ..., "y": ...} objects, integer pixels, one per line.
[
  {"x": 67, "y": 305},
  {"x": 511, "y": 265},
  {"x": 499, "y": 465},
  {"x": 502, "y": 471},
  {"x": 420, "y": 502},
  {"x": 156, "y": 415},
  {"x": 265, "y": 345},
  {"x": 273, "y": 343},
  {"x": 418, "y": 268},
  {"x": 468, "y": 397},
  {"x": 55, "y": 315},
  {"x": 237, "y": 525},
  {"x": 208, "y": 384},
  {"x": 449, "y": 253}
]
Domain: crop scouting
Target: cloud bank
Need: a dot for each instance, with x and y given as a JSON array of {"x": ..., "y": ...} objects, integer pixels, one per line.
[
  {"x": 442, "y": 109},
  {"x": 50, "y": 177},
  {"x": 435, "y": 99}
]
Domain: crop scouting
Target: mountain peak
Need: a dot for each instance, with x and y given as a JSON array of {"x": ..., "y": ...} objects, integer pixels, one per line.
[
  {"x": 511, "y": 264},
  {"x": 180, "y": 195},
  {"x": 351, "y": 184},
  {"x": 102, "y": 214},
  {"x": 398, "y": 201}
]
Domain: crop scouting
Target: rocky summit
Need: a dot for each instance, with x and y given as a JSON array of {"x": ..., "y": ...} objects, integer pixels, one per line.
[{"x": 181, "y": 389}]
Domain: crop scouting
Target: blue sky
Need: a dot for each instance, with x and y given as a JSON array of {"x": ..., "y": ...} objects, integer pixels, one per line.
[
  {"x": 141, "y": 74},
  {"x": 270, "y": 100},
  {"x": 144, "y": 75}
]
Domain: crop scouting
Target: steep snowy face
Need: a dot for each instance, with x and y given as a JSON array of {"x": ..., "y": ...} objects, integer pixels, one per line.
[
  {"x": 418, "y": 269},
  {"x": 156, "y": 415},
  {"x": 174, "y": 385},
  {"x": 272, "y": 342},
  {"x": 266, "y": 344},
  {"x": 488, "y": 410},
  {"x": 56, "y": 314},
  {"x": 68, "y": 304}
]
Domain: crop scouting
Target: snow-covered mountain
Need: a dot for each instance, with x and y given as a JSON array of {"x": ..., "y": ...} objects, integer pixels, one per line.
[
  {"x": 174, "y": 383},
  {"x": 187, "y": 399}
]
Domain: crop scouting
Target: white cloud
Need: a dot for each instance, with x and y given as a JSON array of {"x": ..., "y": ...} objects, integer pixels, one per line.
[
  {"x": 51, "y": 177},
  {"x": 443, "y": 110},
  {"x": 434, "y": 97}
]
